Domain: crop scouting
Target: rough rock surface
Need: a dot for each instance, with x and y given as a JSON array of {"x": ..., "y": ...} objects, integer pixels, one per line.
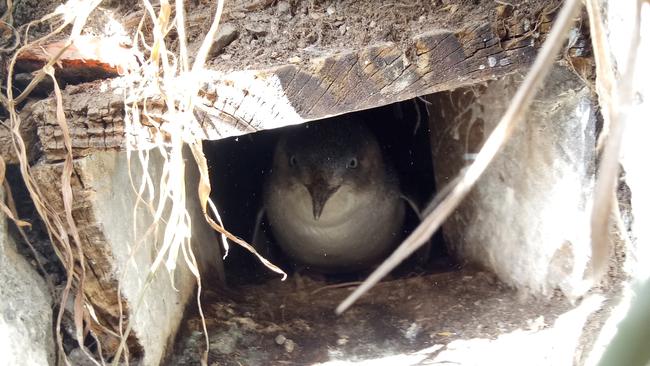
[
  {"x": 527, "y": 219},
  {"x": 25, "y": 308}
]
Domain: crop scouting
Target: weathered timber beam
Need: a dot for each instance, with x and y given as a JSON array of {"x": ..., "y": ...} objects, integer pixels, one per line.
[
  {"x": 101, "y": 283},
  {"x": 243, "y": 101}
]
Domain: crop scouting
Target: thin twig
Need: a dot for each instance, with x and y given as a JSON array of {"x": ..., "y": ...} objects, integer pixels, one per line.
[{"x": 335, "y": 286}]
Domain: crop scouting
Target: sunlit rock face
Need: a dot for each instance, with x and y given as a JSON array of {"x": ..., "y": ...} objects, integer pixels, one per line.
[{"x": 527, "y": 219}]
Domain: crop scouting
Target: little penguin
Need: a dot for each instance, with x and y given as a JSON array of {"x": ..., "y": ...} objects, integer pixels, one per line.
[{"x": 332, "y": 200}]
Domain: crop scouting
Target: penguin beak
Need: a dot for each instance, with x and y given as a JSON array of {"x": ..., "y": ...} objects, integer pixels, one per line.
[{"x": 320, "y": 192}]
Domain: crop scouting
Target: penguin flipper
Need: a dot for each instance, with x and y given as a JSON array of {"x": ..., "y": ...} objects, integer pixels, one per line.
[{"x": 424, "y": 253}]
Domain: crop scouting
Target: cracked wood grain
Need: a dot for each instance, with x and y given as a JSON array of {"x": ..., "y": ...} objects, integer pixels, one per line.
[
  {"x": 239, "y": 102},
  {"x": 100, "y": 285}
]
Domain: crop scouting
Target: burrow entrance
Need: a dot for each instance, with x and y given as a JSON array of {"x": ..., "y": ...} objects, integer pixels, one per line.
[
  {"x": 240, "y": 167},
  {"x": 424, "y": 309}
]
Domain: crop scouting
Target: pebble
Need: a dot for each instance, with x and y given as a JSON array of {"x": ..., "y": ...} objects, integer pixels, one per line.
[
  {"x": 226, "y": 34},
  {"x": 412, "y": 332},
  {"x": 283, "y": 8},
  {"x": 289, "y": 346}
]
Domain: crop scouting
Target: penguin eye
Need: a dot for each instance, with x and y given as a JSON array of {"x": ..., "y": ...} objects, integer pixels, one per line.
[
  {"x": 353, "y": 163},
  {"x": 293, "y": 161}
]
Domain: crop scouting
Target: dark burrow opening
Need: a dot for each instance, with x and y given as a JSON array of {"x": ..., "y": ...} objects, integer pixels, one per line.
[{"x": 241, "y": 166}]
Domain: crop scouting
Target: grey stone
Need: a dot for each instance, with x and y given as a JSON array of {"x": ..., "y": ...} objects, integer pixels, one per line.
[
  {"x": 25, "y": 307},
  {"x": 527, "y": 218},
  {"x": 225, "y": 35},
  {"x": 256, "y": 30}
]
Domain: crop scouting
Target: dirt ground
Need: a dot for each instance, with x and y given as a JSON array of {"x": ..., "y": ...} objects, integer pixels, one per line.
[
  {"x": 260, "y": 34},
  {"x": 293, "y": 31},
  {"x": 272, "y": 32},
  {"x": 293, "y": 322}
]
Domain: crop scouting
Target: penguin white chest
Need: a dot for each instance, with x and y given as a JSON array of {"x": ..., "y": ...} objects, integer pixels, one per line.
[{"x": 354, "y": 230}]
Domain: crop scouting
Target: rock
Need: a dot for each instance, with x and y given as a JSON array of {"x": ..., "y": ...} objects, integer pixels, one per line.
[
  {"x": 224, "y": 343},
  {"x": 527, "y": 218},
  {"x": 283, "y": 8},
  {"x": 25, "y": 307},
  {"x": 225, "y": 35},
  {"x": 238, "y": 15},
  {"x": 289, "y": 346}
]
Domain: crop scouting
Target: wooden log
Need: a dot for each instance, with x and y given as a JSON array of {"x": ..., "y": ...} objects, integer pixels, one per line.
[
  {"x": 120, "y": 240},
  {"x": 243, "y": 101},
  {"x": 101, "y": 282}
]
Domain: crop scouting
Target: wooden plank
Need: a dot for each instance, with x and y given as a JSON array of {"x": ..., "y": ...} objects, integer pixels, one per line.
[{"x": 242, "y": 101}]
